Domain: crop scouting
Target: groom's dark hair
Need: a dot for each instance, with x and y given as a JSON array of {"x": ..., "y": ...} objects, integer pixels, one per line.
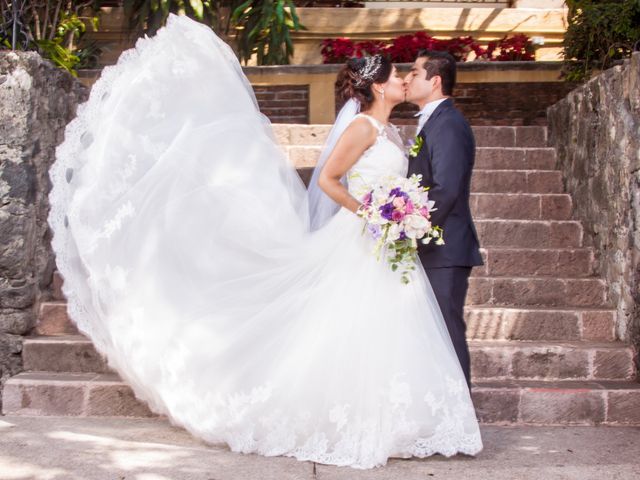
[{"x": 442, "y": 64}]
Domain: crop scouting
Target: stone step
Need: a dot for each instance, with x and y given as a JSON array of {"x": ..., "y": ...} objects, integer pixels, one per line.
[
  {"x": 487, "y": 158},
  {"x": 535, "y": 262},
  {"x": 483, "y": 323},
  {"x": 490, "y": 359},
  {"x": 516, "y": 181},
  {"x": 71, "y": 353},
  {"x": 536, "y": 234},
  {"x": 540, "y": 324},
  {"x": 71, "y": 394},
  {"x": 56, "y": 286},
  {"x": 504, "y": 360},
  {"x": 557, "y": 403},
  {"x": 521, "y": 206},
  {"x": 510, "y": 402},
  {"x": 535, "y": 291},
  {"x": 485, "y": 136},
  {"x": 498, "y": 262},
  {"x": 499, "y": 181},
  {"x": 515, "y": 158},
  {"x": 53, "y": 318}
]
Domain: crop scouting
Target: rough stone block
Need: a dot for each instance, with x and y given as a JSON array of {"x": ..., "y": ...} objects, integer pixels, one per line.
[
  {"x": 479, "y": 291},
  {"x": 16, "y": 322},
  {"x": 540, "y": 158},
  {"x": 62, "y": 354},
  {"x": 623, "y": 407},
  {"x": 615, "y": 364},
  {"x": 529, "y": 233},
  {"x": 598, "y": 325},
  {"x": 505, "y": 206},
  {"x": 550, "y": 363},
  {"x": 56, "y": 287},
  {"x": 115, "y": 400},
  {"x": 531, "y": 137},
  {"x": 54, "y": 320},
  {"x": 306, "y": 135},
  {"x": 492, "y": 158},
  {"x": 494, "y": 136},
  {"x": 544, "y": 181},
  {"x": 304, "y": 157},
  {"x": 41, "y": 398},
  {"x": 494, "y": 406},
  {"x": 555, "y": 207},
  {"x": 491, "y": 363},
  {"x": 538, "y": 262},
  {"x": 555, "y": 406}
]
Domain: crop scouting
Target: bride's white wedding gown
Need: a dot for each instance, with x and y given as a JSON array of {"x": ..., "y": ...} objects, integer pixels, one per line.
[{"x": 182, "y": 235}]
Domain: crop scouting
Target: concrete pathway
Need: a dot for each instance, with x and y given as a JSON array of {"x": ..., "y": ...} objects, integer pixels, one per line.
[{"x": 51, "y": 448}]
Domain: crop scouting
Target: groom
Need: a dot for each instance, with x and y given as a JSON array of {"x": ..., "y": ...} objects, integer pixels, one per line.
[{"x": 444, "y": 154}]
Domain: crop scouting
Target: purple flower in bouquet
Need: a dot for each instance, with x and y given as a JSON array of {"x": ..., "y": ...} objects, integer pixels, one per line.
[
  {"x": 386, "y": 211},
  {"x": 397, "y": 212},
  {"x": 375, "y": 231},
  {"x": 395, "y": 192}
]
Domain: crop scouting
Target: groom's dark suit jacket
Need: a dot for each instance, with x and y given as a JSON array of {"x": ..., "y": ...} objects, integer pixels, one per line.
[{"x": 445, "y": 162}]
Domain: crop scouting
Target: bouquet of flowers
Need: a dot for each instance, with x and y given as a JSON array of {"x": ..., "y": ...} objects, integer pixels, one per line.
[{"x": 397, "y": 213}]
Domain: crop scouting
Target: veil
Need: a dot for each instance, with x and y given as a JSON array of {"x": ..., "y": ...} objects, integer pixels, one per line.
[{"x": 321, "y": 207}]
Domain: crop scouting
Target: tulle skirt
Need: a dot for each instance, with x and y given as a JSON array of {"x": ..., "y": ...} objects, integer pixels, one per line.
[{"x": 182, "y": 235}]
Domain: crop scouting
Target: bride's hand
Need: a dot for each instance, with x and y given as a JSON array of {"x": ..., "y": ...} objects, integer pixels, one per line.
[{"x": 355, "y": 140}]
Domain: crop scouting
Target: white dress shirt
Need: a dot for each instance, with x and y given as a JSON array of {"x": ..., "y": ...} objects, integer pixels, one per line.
[{"x": 426, "y": 112}]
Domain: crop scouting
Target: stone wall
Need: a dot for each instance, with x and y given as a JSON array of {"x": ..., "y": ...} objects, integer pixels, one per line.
[
  {"x": 596, "y": 131},
  {"x": 36, "y": 101}
]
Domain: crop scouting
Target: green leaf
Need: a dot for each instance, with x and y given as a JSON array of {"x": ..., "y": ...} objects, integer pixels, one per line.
[{"x": 198, "y": 8}]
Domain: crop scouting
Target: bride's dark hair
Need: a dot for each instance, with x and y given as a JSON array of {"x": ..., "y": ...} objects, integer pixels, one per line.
[{"x": 358, "y": 74}]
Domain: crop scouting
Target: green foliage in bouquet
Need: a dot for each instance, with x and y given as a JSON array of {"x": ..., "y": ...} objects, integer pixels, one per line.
[{"x": 598, "y": 34}]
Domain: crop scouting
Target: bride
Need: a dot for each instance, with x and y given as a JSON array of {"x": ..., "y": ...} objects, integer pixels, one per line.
[{"x": 191, "y": 261}]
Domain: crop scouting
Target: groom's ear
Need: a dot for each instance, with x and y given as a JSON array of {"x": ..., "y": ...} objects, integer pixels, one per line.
[{"x": 419, "y": 66}]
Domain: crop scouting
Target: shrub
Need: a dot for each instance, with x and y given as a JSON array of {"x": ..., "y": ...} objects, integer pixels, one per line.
[
  {"x": 598, "y": 34},
  {"x": 405, "y": 48},
  {"x": 54, "y": 29}
]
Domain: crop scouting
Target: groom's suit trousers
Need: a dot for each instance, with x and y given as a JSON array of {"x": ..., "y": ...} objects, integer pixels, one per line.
[{"x": 450, "y": 286}]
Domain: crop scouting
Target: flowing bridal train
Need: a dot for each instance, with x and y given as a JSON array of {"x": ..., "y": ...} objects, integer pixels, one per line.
[{"x": 183, "y": 237}]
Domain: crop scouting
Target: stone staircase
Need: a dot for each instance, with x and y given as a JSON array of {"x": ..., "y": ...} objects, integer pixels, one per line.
[{"x": 541, "y": 331}]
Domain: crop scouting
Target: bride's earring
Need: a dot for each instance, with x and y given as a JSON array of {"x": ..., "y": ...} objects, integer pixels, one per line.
[{"x": 381, "y": 92}]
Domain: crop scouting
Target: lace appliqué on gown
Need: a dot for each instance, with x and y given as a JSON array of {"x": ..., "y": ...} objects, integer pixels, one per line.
[{"x": 179, "y": 230}]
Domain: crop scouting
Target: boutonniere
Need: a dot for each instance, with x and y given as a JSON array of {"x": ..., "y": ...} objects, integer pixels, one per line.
[{"x": 416, "y": 146}]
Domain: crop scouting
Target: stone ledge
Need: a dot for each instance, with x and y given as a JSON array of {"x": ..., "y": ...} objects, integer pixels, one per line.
[
  {"x": 497, "y": 402},
  {"x": 484, "y": 322}
]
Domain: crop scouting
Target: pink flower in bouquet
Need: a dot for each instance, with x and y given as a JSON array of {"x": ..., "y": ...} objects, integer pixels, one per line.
[
  {"x": 398, "y": 202},
  {"x": 397, "y": 215},
  {"x": 396, "y": 212},
  {"x": 408, "y": 209}
]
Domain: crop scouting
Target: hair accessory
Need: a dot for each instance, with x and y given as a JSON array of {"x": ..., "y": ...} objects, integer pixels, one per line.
[{"x": 369, "y": 70}]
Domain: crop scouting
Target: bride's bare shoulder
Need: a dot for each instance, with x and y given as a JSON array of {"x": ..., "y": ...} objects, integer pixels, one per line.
[{"x": 360, "y": 130}]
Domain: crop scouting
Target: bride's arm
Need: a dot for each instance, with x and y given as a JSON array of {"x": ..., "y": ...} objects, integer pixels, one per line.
[{"x": 355, "y": 140}]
